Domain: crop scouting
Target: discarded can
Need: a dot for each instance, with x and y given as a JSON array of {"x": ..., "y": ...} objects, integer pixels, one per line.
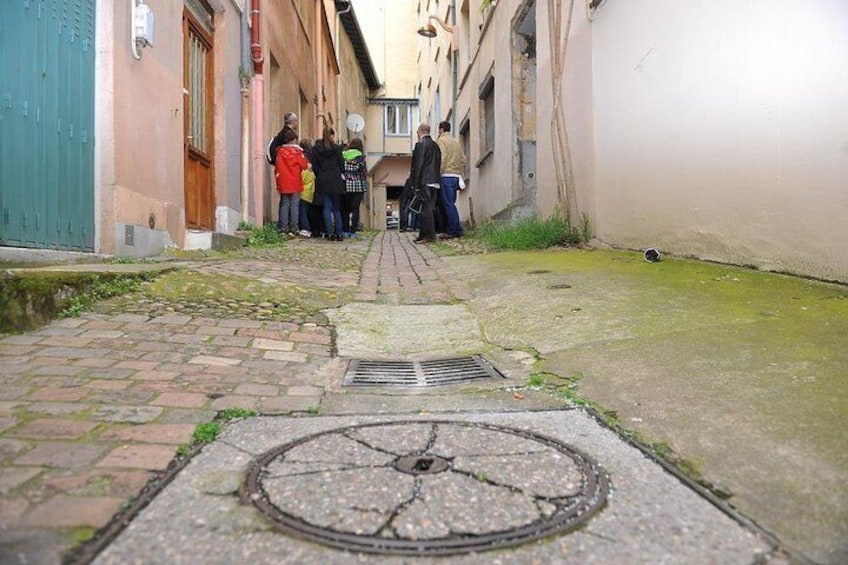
[{"x": 652, "y": 255}]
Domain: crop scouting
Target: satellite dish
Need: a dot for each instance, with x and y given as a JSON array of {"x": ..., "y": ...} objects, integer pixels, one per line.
[{"x": 355, "y": 123}]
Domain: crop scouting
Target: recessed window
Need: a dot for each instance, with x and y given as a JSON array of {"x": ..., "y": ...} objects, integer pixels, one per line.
[
  {"x": 398, "y": 119},
  {"x": 487, "y": 96}
]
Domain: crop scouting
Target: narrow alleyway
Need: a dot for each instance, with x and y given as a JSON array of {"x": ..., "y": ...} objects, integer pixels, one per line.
[{"x": 94, "y": 407}]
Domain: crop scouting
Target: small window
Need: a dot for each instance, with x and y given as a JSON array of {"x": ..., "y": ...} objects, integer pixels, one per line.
[
  {"x": 398, "y": 119},
  {"x": 487, "y": 95}
]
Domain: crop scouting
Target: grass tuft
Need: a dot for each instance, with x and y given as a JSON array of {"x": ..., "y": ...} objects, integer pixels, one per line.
[
  {"x": 535, "y": 233},
  {"x": 266, "y": 236}
]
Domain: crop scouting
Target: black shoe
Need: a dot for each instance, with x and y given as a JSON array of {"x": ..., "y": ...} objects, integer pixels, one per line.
[{"x": 337, "y": 237}]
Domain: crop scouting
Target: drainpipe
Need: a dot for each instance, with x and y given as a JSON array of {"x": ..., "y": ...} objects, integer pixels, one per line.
[
  {"x": 257, "y": 92},
  {"x": 320, "y": 119},
  {"x": 245, "y": 119},
  {"x": 339, "y": 101},
  {"x": 454, "y": 66}
]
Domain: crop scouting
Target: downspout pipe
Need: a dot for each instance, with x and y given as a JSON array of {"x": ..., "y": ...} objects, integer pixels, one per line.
[
  {"x": 257, "y": 93},
  {"x": 245, "y": 118},
  {"x": 338, "y": 41}
]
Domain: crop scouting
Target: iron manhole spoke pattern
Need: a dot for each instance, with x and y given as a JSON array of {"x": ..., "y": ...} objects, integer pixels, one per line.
[
  {"x": 436, "y": 372},
  {"x": 425, "y": 487}
]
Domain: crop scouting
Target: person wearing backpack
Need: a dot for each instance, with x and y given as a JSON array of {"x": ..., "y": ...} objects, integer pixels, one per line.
[
  {"x": 288, "y": 174},
  {"x": 356, "y": 184}
]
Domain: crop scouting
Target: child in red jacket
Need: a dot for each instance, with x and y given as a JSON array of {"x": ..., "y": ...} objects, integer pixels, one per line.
[{"x": 288, "y": 168}]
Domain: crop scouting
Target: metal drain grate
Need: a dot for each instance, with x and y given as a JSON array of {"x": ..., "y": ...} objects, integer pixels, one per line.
[{"x": 435, "y": 372}]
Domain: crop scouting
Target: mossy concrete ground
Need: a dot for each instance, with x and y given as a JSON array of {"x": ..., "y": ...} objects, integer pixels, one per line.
[{"x": 743, "y": 374}]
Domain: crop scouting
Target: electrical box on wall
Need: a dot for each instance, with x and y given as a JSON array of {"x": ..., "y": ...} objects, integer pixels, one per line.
[{"x": 143, "y": 24}]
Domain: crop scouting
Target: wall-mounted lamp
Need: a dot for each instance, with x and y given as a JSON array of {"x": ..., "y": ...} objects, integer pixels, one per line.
[
  {"x": 141, "y": 27},
  {"x": 429, "y": 30}
]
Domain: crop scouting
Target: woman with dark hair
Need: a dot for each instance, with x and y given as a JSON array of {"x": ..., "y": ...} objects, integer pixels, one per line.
[
  {"x": 328, "y": 165},
  {"x": 356, "y": 184}
]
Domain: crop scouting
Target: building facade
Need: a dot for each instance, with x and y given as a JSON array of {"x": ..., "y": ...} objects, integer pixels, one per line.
[{"x": 709, "y": 130}]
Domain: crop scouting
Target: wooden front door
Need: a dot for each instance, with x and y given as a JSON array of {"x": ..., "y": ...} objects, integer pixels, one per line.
[{"x": 198, "y": 111}]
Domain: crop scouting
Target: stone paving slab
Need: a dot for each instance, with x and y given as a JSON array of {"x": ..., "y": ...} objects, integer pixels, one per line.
[{"x": 650, "y": 516}]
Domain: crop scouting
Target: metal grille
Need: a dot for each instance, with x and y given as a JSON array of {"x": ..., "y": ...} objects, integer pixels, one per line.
[{"x": 435, "y": 372}]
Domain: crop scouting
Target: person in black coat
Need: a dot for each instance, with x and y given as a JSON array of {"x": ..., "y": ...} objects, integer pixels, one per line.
[
  {"x": 328, "y": 165},
  {"x": 290, "y": 122},
  {"x": 425, "y": 176}
]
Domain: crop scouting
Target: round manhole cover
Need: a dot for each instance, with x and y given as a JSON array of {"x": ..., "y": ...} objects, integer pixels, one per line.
[{"x": 425, "y": 488}]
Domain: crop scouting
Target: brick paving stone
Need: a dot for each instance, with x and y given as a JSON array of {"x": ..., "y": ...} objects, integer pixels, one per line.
[
  {"x": 74, "y": 511},
  {"x": 128, "y": 396},
  {"x": 186, "y": 416},
  {"x": 153, "y": 457},
  {"x": 180, "y": 400},
  {"x": 98, "y": 325},
  {"x": 161, "y": 386},
  {"x": 68, "y": 323},
  {"x": 58, "y": 394},
  {"x": 234, "y": 401},
  {"x": 172, "y": 434},
  {"x": 240, "y": 324},
  {"x": 105, "y": 384},
  {"x": 315, "y": 349},
  {"x": 156, "y": 375},
  {"x": 286, "y": 356},
  {"x": 215, "y": 330},
  {"x": 58, "y": 370},
  {"x": 10, "y": 448},
  {"x": 66, "y": 455},
  {"x": 53, "y": 331},
  {"x": 94, "y": 363},
  {"x": 20, "y": 340},
  {"x": 66, "y": 341},
  {"x": 191, "y": 339},
  {"x": 267, "y": 334},
  {"x": 285, "y": 404},
  {"x": 13, "y": 477},
  {"x": 130, "y": 318},
  {"x": 256, "y": 390},
  {"x": 210, "y": 360},
  {"x": 110, "y": 373},
  {"x": 11, "y": 511},
  {"x": 164, "y": 357},
  {"x": 171, "y": 319},
  {"x": 71, "y": 352},
  {"x": 98, "y": 482},
  {"x": 304, "y": 391},
  {"x": 137, "y": 365},
  {"x": 272, "y": 344},
  {"x": 239, "y": 353},
  {"x": 230, "y": 341},
  {"x": 56, "y": 408},
  {"x": 129, "y": 414},
  {"x": 53, "y": 428},
  {"x": 155, "y": 346},
  {"x": 16, "y": 349}
]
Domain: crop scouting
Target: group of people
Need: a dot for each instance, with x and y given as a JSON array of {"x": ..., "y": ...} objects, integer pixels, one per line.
[
  {"x": 321, "y": 186},
  {"x": 435, "y": 177}
]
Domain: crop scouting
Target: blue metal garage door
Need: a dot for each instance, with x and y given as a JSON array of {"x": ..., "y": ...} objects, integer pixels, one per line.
[{"x": 47, "y": 123}]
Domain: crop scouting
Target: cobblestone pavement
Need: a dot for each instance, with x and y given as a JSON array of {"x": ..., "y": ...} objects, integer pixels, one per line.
[{"x": 93, "y": 407}]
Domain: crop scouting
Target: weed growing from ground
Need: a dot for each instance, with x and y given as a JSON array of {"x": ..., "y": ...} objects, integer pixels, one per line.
[
  {"x": 265, "y": 236},
  {"x": 100, "y": 290},
  {"x": 535, "y": 233}
]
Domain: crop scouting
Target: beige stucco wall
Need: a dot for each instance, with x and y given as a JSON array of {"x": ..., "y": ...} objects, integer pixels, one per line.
[
  {"x": 139, "y": 168},
  {"x": 146, "y": 124},
  {"x": 722, "y": 130}
]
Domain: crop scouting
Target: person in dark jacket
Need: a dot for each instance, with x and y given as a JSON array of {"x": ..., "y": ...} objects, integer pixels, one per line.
[
  {"x": 424, "y": 174},
  {"x": 290, "y": 123},
  {"x": 328, "y": 165}
]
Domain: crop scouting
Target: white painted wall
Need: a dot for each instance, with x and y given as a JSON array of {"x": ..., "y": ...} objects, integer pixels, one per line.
[{"x": 721, "y": 130}]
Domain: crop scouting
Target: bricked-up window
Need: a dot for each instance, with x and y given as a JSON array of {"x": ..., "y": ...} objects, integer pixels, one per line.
[
  {"x": 487, "y": 96},
  {"x": 398, "y": 119}
]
